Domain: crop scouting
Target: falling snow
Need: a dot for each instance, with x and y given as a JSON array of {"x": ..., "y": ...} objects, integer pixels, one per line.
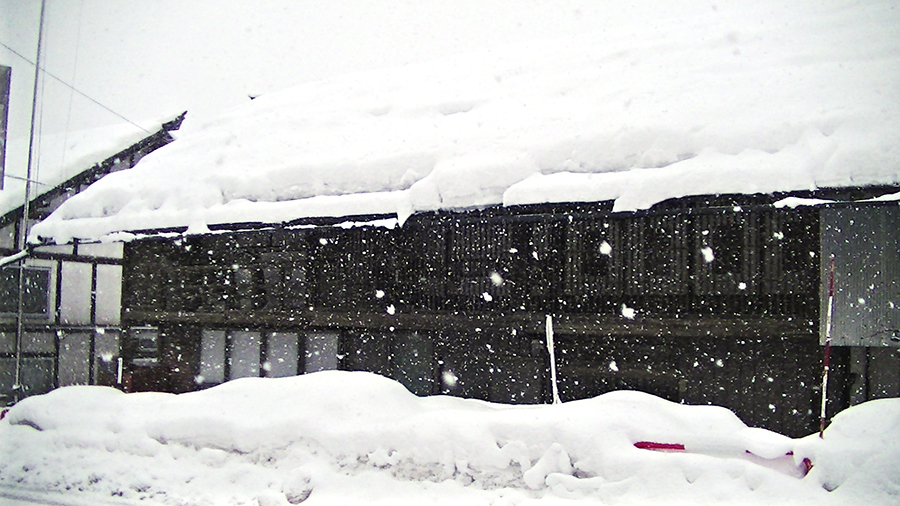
[
  {"x": 469, "y": 133},
  {"x": 605, "y": 248}
]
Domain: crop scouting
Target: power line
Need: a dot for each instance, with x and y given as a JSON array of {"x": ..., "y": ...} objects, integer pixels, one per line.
[
  {"x": 10, "y": 176},
  {"x": 74, "y": 70},
  {"x": 76, "y": 90}
]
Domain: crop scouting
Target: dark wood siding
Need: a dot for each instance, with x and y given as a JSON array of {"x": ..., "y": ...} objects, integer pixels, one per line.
[
  {"x": 769, "y": 381},
  {"x": 595, "y": 264},
  {"x": 726, "y": 254},
  {"x": 478, "y": 255},
  {"x": 791, "y": 247},
  {"x": 720, "y": 264},
  {"x": 657, "y": 261},
  {"x": 469, "y": 294}
]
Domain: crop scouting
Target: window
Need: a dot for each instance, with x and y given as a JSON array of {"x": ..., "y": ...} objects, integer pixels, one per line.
[
  {"x": 37, "y": 290},
  {"x": 230, "y": 354},
  {"x": 282, "y": 355},
  {"x": 74, "y": 358},
  {"x": 245, "y": 354},
  {"x": 37, "y": 364},
  {"x": 212, "y": 357},
  {"x": 39, "y": 342},
  {"x": 36, "y": 375},
  {"x": 75, "y": 300},
  {"x": 322, "y": 351},
  {"x": 109, "y": 294},
  {"x": 107, "y": 353},
  {"x": 250, "y": 284},
  {"x": 791, "y": 242},
  {"x": 407, "y": 357},
  {"x": 477, "y": 252},
  {"x": 596, "y": 258},
  {"x": 143, "y": 346},
  {"x": 412, "y": 359}
]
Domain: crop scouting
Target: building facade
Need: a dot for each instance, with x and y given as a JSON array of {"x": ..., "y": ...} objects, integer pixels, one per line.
[
  {"x": 72, "y": 294},
  {"x": 700, "y": 301}
]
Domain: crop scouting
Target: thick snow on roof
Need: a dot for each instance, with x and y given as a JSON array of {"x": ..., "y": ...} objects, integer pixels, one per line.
[
  {"x": 63, "y": 155},
  {"x": 660, "y": 102},
  {"x": 358, "y": 438}
]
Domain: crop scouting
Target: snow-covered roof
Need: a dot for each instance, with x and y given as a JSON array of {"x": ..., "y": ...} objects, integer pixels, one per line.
[
  {"x": 740, "y": 97},
  {"x": 63, "y": 155}
]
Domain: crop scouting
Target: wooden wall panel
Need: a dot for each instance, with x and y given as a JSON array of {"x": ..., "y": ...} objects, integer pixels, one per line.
[
  {"x": 790, "y": 261},
  {"x": 726, "y": 254},
  {"x": 595, "y": 263},
  {"x": 477, "y": 253},
  {"x": 659, "y": 259},
  {"x": 768, "y": 382}
]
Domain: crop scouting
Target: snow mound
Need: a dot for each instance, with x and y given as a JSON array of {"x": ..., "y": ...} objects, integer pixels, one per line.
[
  {"x": 738, "y": 97},
  {"x": 359, "y": 438},
  {"x": 862, "y": 452}
]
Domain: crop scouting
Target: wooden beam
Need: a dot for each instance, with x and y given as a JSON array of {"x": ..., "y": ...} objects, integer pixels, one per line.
[
  {"x": 527, "y": 322},
  {"x": 66, "y": 257}
]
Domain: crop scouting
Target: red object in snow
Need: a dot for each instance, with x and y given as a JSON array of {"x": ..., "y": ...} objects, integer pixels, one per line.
[
  {"x": 807, "y": 465},
  {"x": 649, "y": 445}
]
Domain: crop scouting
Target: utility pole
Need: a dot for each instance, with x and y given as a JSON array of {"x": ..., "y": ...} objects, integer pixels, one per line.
[
  {"x": 23, "y": 225},
  {"x": 5, "y": 82}
]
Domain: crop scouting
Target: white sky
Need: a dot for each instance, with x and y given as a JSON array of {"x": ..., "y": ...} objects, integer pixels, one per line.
[{"x": 148, "y": 60}]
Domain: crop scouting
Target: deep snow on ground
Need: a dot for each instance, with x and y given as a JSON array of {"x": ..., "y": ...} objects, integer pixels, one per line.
[
  {"x": 358, "y": 438},
  {"x": 736, "y": 97}
]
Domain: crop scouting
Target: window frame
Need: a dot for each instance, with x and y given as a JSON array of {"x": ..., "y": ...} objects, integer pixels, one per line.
[{"x": 49, "y": 293}]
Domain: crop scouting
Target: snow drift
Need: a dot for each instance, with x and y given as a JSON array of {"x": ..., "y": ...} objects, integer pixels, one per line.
[
  {"x": 660, "y": 102},
  {"x": 359, "y": 438}
]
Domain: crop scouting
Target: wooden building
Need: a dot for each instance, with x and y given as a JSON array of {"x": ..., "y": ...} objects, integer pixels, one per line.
[
  {"x": 702, "y": 300},
  {"x": 72, "y": 293}
]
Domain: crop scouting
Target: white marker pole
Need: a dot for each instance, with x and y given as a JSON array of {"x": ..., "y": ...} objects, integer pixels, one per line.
[
  {"x": 552, "y": 359},
  {"x": 829, "y": 311}
]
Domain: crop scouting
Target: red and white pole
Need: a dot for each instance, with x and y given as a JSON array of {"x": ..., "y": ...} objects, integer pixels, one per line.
[{"x": 829, "y": 312}]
